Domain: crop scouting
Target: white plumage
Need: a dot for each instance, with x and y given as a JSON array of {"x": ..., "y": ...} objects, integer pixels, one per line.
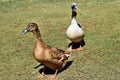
[{"x": 75, "y": 31}]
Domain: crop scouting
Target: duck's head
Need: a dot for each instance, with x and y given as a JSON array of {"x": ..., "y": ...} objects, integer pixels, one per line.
[
  {"x": 31, "y": 27},
  {"x": 75, "y": 9}
]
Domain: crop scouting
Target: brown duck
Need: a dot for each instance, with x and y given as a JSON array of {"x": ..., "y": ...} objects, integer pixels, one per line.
[{"x": 50, "y": 57}]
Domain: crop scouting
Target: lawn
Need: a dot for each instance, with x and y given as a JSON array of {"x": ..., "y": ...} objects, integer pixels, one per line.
[{"x": 100, "y": 58}]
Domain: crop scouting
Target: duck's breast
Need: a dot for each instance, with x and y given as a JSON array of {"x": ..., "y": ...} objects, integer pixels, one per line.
[
  {"x": 39, "y": 51},
  {"x": 74, "y": 31}
]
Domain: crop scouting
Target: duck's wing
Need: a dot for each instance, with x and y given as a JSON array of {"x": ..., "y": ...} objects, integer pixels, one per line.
[
  {"x": 56, "y": 53},
  {"x": 79, "y": 25}
]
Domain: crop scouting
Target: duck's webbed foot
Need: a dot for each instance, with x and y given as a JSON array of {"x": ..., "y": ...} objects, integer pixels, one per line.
[
  {"x": 53, "y": 77},
  {"x": 80, "y": 48},
  {"x": 42, "y": 75}
]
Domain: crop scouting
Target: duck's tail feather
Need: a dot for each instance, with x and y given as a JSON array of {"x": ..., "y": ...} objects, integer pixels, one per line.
[{"x": 66, "y": 54}]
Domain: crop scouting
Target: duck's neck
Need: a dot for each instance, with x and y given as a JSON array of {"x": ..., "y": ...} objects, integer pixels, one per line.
[
  {"x": 38, "y": 45},
  {"x": 73, "y": 21},
  {"x": 37, "y": 35},
  {"x": 74, "y": 14},
  {"x": 74, "y": 17}
]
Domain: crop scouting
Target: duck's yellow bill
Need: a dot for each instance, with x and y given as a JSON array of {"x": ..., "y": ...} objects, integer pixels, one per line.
[{"x": 78, "y": 12}]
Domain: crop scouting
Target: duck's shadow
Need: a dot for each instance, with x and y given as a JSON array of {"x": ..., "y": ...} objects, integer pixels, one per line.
[
  {"x": 77, "y": 45},
  {"x": 48, "y": 71}
]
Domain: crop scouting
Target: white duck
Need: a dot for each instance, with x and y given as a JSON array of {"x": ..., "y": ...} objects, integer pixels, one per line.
[{"x": 75, "y": 31}]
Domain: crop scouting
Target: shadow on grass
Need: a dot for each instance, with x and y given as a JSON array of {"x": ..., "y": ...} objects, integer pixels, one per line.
[
  {"x": 77, "y": 45},
  {"x": 49, "y": 71}
]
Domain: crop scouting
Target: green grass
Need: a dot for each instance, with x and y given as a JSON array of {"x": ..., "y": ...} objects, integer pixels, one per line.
[{"x": 100, "y": 59}]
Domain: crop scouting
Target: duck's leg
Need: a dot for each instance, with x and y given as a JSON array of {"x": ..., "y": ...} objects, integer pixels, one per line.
[
  {"x": 76, "y": 46},
  {"x": 53, "y": 77},
  {"x": 73, "y": 46},
  {"x": 42, "y": 75},
  {"x": 82, "y": 43}
]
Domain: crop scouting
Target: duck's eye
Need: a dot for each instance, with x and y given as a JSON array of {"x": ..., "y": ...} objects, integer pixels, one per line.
[
  {"x": 74, "y": 8},
  {"x": 31, "y": 28}
]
